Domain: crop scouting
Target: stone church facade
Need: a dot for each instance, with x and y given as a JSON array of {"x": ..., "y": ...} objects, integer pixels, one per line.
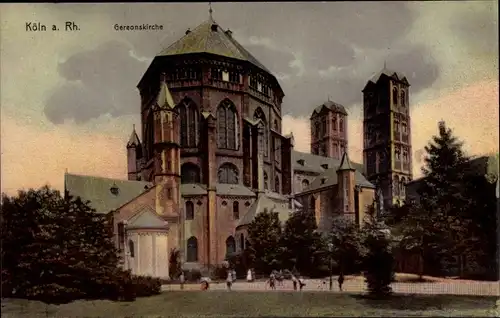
[{"x": 212, "y": 155}]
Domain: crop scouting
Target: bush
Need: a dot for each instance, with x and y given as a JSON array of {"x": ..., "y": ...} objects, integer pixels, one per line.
[
  {"x": 145, "y": 286},
  {"x": 219, "y": 272}
]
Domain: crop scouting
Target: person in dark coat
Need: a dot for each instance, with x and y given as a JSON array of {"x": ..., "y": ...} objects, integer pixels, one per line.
[{"x": 341, "y": 281}]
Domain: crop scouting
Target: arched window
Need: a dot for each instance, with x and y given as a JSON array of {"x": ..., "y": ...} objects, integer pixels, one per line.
[
  {"x": 395, "y": 96},
  {"x": 395, "y": 186},
  {"x": 131, "y": 248},
  {"x": 192, "y": 249},
  {"x": 227, "y": 125},
  {"x": 263, "y": 138},
  {"x": 305, "y": 185},
  {"x": 402, "y": 185},
  {"x": 188, "y": 112},
  {"x": 236, "y": 210},
  {"x": 266, "y": 181},
  {"x": 276, "y": 126},
  {"x": 341, "y": 125},
  {"x": 403, "y": 98},
  {"x": 189, "y": 210},
  {"x": 277, "y": 184},
  {"x": 334, "y": 123},
  {"x": 242, "y": 241},
  {"x": 228, "y": 173},
  {"x": 317, "y": 129},
  {"x": 230, "y": 245},
  {"x": 190, "y": 173}
]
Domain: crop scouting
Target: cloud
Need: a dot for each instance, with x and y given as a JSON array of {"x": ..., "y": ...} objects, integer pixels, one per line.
[{"x": 100, "y": 81}]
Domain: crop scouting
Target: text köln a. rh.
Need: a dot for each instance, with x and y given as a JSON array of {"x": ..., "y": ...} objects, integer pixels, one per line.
[{"x": 42, "y": 27}]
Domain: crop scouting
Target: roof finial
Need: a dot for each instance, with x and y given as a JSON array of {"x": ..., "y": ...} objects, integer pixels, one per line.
[
  {"x": 210, "y": 11},
  {"x": 133, "y": 127},
  {"x": 328, "y": 97}
]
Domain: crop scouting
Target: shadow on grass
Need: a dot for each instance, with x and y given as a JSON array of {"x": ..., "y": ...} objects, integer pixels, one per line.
[{"x": 427, "y": 302}]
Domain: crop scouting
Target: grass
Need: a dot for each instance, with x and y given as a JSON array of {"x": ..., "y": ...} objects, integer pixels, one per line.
[{"x": 259, "y": 304}]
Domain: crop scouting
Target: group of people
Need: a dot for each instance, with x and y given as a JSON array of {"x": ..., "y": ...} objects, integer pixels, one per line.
[{"x": 275, "y": 278}]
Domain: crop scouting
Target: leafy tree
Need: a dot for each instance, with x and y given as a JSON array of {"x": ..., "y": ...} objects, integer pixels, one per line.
[
  {"x": 346, "y": 242},
  {"x": 303, "y": 245},
  {"x": 57, "y": 249},
  {"x": 378, "y": 261},
  {"x": 264, "y": 234}
]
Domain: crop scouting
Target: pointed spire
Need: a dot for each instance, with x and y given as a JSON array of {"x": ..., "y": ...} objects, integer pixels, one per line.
[
  {"x": 210, "y": 11},
  {"x": 164, "y": 99},
  {"x": 134, "y": 139},
  {"x": 345, "y": 163}
]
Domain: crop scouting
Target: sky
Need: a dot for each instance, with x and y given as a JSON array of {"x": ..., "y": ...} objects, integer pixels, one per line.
[{"x": 69, "y": 99}]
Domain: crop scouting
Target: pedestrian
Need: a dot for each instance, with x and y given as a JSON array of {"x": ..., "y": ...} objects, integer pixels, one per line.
[
  {"x": 229, "y": 280},
  {"x": 294, "y": 281},
  {"x": 341, "y": 281},
  {"x": 249, "y": 276},
  {"x": 205, "y": 283},
  {"x": 272, "y": 281},
  {"x": 301, "y": 283},
  {"x": 182, "y": 279}
]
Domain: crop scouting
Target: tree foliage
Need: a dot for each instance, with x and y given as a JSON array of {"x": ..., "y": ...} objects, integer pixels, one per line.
[
  {"x": 378, "y": 262},
  {"x": 303, "y": 246},
  {"x": 57, "y": 249},
  {"x": 264, "y": 234},
  {"x": 345, "y": 238}
]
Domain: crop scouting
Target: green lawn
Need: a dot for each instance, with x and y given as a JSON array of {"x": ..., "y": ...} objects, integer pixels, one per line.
[{"x": 259, "y": 304}]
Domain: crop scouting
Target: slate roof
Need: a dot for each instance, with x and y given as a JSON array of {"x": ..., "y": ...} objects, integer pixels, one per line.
[
  {"x": 146, "y": 218},
  {"x": 203, "y": 39},
  {"x": 234, "y": 189},
  {"x": 134, "y": 139},
  {"x": 345, "y": 163},
  {"x": 312, "y": 163},
  {"x": 193, "y": 189},
  {"x": 266, "y": 202},
  {"x": 389, "y": 73},
  {"x": 329, "y": 178},
  {"x": 98, "y": 191},
  {"x": 335, "y": 107},
  {"x": 164, "y": 98}
]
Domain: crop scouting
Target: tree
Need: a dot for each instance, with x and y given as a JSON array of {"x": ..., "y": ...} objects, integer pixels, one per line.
[
  {"x": 443, "y": 195},
  {"x": 347, "y": 249},
  {"x": 303, "y": 245},
  {"x": 378, "y": 261},
  {"x": 264, "y": 234},
  {"x": 57, "y": 249}
]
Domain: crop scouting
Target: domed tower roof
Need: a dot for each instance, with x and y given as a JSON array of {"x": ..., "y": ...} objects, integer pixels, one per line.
[
  {"x": 209, "y": 37},
  {"x": 332, "y": 106}
]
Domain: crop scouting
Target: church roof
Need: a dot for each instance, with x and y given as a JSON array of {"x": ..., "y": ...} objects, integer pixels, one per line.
[
  {"x": 105, "y": 194},
  {"x": 134, "y": 139},
  {"x": 329, "y": 178},
  {"x": 307, "y": 162},
  {"x": 398, "y": 76},
  {"x": 335, "y": 107},
  {"x": 345, "y": 163},
  {"x": 266, "y": 202},
  {"x": 164, "y": 98},
  {"x": 209, "y": 37}
]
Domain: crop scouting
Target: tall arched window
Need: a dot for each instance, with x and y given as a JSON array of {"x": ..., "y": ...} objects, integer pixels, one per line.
[
  {"x": 305, "y": 185},
  {"x": 317, "y": 129},
  {"x": 242, "y": 241},
  {"x": 395, "y": 96},
  {"x": 277, "y": 184},
  {"x": 395, "y": 186},
  {"x": 131, "y": 248},
  {"x": 227, "y": 125},
  {"x": 230, "y": 245},
  {"x": 334, "y": 123},
  {"x": 263, "y": 139},
  {"x": 402, "y": 184},
  {"x": 192, "y": 249},
  {"x": 403, "y": 98},
  {"x": 236, "y": 210},
  {"x": 228, "y": 173},
  {"x": 188, "y": 112},
  {"x": 189, "y": 210},
  {"x": 266, "y": 181},
  {"x": 312, "y": 203},
  {"x": 190, "y": 173},
  {"x": 276, "y": 125},
  {"x": 341, "y": 125}
]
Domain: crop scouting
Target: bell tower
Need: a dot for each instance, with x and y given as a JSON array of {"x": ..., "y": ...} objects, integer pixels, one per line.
[
  {"x": 387, "y": 130},
  {"x": 329, "y": 130}
]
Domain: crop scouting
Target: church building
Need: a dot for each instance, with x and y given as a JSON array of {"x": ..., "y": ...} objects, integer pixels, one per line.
[{"x": 212, "y": 156}]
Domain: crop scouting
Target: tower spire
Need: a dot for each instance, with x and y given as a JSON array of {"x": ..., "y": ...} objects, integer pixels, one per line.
[{"x": 210, "y": 11}]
